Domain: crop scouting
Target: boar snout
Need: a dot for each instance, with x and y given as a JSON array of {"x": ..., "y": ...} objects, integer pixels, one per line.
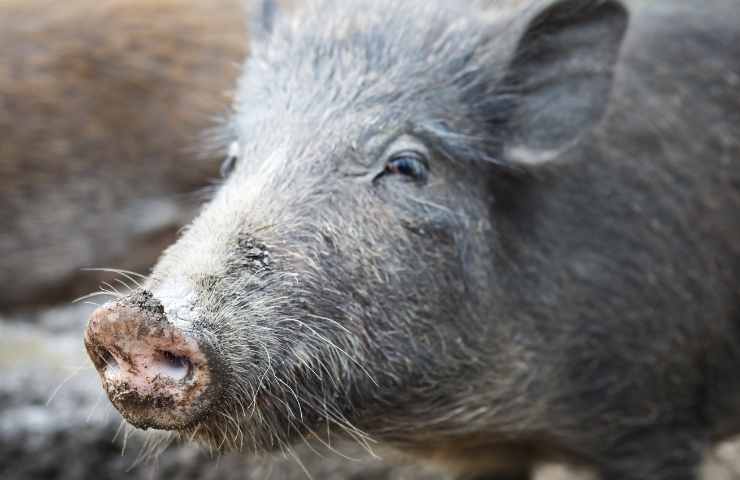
[{"x": 156, "y": 374}]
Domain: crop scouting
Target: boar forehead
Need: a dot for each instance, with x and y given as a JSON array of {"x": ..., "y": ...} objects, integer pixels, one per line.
[{"x": 388, "y": 59}]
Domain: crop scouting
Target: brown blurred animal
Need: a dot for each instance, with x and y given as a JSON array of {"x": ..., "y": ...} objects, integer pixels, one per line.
[{"x": 103, "y": 106}]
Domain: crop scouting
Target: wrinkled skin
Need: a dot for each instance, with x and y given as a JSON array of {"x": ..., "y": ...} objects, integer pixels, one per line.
[{"x": 556, "y": 278}]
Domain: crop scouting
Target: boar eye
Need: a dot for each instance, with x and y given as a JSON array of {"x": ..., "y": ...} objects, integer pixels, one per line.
[
  {"x": 227, "y": 166},
  {"x": 408, "y": 163}
]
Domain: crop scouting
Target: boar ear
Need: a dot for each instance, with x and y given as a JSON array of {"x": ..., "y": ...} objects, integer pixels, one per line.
[
  {"x": 262, "y": 14},
  {"x": 561, "y": 74}
]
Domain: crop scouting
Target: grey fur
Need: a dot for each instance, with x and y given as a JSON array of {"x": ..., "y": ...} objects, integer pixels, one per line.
[
  {"x": 262, "y": 15},
  {"x": 565, "y": 295}
]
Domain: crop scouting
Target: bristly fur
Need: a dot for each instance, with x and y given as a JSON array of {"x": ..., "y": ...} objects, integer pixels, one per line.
[{"x": 477, "y": 310}]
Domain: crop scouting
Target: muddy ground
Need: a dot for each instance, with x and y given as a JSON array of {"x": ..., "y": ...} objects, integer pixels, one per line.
[{"x": 103, "y": 105}]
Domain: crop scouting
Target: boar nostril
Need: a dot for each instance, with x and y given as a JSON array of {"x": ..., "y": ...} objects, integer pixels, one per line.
[{"x": 174, "y": 366}]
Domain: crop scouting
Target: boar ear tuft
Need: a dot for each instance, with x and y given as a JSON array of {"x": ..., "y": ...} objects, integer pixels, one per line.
[
  {"x": 561, "y": 73},
  {"x": 262, "y": 14}
]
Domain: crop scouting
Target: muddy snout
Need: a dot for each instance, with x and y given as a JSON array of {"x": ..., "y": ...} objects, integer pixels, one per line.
[{"x": 155, "y": 374}]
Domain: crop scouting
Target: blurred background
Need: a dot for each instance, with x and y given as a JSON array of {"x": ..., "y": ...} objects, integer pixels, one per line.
[{"x": 105, "y": 109}]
